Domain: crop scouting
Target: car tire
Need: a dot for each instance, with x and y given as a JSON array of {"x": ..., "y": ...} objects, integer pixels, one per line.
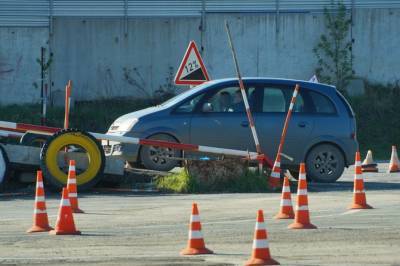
[
  {"x": 324, "y": 163},
  {"x": 34, "y": 140},
  {"x": 153, "y": 158}
]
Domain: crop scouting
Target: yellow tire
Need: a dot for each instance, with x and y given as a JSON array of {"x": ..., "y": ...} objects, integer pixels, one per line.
[{"x": 57, "y": 177}]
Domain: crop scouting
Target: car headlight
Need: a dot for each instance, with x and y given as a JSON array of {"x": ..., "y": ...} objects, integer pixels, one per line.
[{"x": 124, "y": 126}]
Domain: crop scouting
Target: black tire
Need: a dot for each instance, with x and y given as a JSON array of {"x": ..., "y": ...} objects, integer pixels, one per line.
[
  {"x": 34, "y": 140},
  {"x": 150, "y": 155},
  {"x": 87, "y": 178},
  {"x": 325, "y": 163},
  {"x": 4, "y": 167}
]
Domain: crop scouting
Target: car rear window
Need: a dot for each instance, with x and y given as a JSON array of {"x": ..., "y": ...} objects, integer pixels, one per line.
[{"x": 322, "y": 104}]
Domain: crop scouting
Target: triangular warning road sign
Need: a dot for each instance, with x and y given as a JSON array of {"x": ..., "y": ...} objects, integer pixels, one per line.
[{"x": 192, "y": 70}]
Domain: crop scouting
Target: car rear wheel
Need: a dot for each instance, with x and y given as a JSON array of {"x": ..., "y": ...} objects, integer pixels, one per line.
[
  {"x": 324, "y": 163},
  {"x": 157, "y": 158}
]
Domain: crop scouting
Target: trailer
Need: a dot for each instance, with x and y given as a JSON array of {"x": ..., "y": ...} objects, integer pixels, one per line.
[{"x": 61, "y": 145}]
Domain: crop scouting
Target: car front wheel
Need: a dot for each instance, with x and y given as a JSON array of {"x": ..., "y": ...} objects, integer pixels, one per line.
[
  {"x": 159, "y": 158},
  {"x": 325, "y": 163}
]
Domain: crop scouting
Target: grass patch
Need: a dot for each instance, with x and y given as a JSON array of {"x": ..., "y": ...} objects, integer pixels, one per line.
[{"x": 183, "y": 182}]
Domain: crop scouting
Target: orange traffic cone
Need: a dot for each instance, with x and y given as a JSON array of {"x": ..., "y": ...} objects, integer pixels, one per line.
[
  {"x": 196, "y": 244},
  {"x": 286, "y": 211},
  {"x": 65, "y": 221},
  {"x": 40, "y": 219},
  {"x": 368, "y": 165},
  {"x": 275, "y": 177},
  {"x": 359, "y": 198},
  {"x": 261, "y": 254},
  {"x": 302, "y": 217},
  {"x": 394, "y": 165},
  {"x": 72, "y": 189}
]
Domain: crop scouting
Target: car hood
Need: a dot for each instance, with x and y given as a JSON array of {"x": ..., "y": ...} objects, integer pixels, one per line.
[{"x": 137, "y": 115}]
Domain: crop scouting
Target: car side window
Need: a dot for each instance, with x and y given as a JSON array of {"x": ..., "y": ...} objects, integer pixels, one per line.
[
  {"x": 228, "y": 100},
  {"x": 277, "y": 100},
  {"x": 188, "y": 105},
  {"x": 322, "y": 104},
  {"x": 273, "y": 101}
]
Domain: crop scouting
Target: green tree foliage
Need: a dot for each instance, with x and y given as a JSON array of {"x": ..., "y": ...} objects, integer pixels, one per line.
[{"x": 333, "y": 50}]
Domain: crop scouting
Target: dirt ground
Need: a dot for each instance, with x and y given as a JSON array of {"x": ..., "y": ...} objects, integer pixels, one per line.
[{"x": 151, "y": 229}]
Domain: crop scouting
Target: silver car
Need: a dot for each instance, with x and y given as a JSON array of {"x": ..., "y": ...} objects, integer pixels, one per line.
[{"x": 321, "y": 132}]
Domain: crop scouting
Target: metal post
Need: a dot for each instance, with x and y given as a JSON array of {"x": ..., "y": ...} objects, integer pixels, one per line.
[
  {"x": 277, "y": 15},
  {"x": 126, "y": 18},
  {"x": 202, "y": 25},
  {"x": 243, "y": 91},
  {"x": 51, "y": 7},
  {"x": 42, "y": 51},
  {"x": 352, "y": 16}
]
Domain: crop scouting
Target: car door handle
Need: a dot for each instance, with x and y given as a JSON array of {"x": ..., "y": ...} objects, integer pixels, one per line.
[
  {"x": 244, "y": 123},
  {"x": 302, "y": 124}
]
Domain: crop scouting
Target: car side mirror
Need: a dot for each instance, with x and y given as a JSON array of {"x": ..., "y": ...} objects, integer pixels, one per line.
[{"x": 207, "y": 107}]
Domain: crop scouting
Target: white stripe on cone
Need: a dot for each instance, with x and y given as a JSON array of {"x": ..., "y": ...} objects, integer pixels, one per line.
[
  {"x": 39, "y": 198},
  {"x": 72, "y": 195},
  {"x": 358, "y": 177},
  {"x": 302, "y": 208},
  {"x": 37, "y": 211},
  {"x": 358, "y": 164},
  {"x": 194, "y": 218},
  {"x": 275, "y": 174},
  {"x": 302, "y": 176},
  {"x": 359, "y": 191},
  {"x": 65, "y": 203},
  {"x": 286, "y": 202},
  {"x": 39, "y": 184},
  {"x": 72, "y": 168},
  {"x": 286, "y": 189},
  {"x": 260, "y": 226},
  {"x": 260, "y": 243},
  {"x": 302, "y": 192},
  {"x": 71, "y": 181},
  {"x": 195, "y": 234}
]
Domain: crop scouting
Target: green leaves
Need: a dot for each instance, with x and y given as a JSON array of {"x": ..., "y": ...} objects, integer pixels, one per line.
[{"x": 333, "y": 51}]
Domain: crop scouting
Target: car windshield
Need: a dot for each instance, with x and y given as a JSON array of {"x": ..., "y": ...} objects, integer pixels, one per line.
[{"x": 176, "y": 99}]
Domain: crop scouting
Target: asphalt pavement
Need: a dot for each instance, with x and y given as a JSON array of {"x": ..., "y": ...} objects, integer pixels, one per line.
[{"x": 151, "y": 229}]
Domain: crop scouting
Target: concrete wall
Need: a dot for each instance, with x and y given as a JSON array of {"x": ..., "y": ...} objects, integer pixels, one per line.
[
  {"x": 19, "y": 49},
  {"x": 103, "y": 62}
]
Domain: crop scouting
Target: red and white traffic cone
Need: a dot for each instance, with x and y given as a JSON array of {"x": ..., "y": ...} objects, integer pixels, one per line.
[
  {"x": 196, "y": 245},
  {"x": 394, "y": 165},
  {"x": 302, "y": 216},
  {"x": 275, "y": 177},
  {"x": 65, "y": 224},
  {"x": 261, "y": 254},
  {"x": 368, "y": 165},
  {"x": 286, "y": 211},
  {"x": 72, "y": 188},
  {"x": 359, "y": 198},
  {"x": 40, "y": 218}
]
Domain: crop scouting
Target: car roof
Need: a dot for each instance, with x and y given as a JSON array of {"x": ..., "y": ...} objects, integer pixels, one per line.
[{"x": 277, "y": 81}]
